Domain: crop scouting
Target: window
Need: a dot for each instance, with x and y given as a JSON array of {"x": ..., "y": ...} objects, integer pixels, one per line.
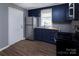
[{"x": 46, "y": 18}]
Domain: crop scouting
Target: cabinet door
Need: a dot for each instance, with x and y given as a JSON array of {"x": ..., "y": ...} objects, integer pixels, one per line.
[
  {"x": 52, "y": 34},
  {"x": 48, "y": 36},
  {"x": 60, "y": 13},
  {"x": 76, "y": 11},
  {"x": 34, "y": 13},
  {"x": 43, "y": 34},
  {"x": 37, "y": 34}
]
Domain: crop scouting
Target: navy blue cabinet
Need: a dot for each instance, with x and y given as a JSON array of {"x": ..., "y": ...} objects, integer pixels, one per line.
[
  {"x": 76, "y": 11},
  {"x": 45, "y": 35},
  {"x": 34, "y": 13},
  {"x": 37, "y": 34},
  {"x": 60, "y": 13}
]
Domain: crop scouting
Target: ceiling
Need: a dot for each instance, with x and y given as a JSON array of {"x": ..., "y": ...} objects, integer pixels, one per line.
[{"x": 34, "y": 5}]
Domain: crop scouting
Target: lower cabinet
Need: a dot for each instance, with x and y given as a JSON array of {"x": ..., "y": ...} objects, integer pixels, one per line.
[
  {"x": 45, "y": 35},
  {"x": 37, "y": 34}
]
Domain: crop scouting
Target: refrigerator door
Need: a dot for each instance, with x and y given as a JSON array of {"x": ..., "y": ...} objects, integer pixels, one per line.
[
  {"x": 35, "y": 22},
  {"x": 31, "y": 23}
]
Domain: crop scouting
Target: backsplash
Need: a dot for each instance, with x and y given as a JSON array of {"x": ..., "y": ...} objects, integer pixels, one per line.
[
  {"x": 64, "y": 27},
  {"x": 75, "y": 24},
  {"x": 67, "y": 27}
]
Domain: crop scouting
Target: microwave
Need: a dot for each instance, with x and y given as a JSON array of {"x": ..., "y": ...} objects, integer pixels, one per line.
[{"x": 71, "y": 11}]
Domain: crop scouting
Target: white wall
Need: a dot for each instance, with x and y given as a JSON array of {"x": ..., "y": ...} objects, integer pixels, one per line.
[
  {"x": 4, "y": 22},
  {"x": 3, "y": 25}
]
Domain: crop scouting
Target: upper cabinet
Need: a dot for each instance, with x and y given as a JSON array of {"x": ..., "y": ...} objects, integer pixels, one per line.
[
  {"x": 63, "y": 13},
  {"x": 76, "y": 11},
  {"x": 34, "y": 13},
  {"x": 60, "y": 13}
]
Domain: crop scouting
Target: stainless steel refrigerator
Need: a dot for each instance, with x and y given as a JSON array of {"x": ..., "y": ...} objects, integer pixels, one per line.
[{"x": 31, "y": 23}]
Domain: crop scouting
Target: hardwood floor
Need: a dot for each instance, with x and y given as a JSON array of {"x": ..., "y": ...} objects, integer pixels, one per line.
[{"x": 30, "y": 48}]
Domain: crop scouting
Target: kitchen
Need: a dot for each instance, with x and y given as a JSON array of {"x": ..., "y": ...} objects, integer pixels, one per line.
[
  {"x": 48, "y": 29},
  {"x": 54, "y": 23}
]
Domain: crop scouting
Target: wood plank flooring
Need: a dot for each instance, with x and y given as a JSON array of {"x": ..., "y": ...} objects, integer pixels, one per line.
[{"x": 30, "y": 48}]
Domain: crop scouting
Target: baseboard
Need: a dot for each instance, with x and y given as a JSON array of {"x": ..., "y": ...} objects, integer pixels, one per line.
[
  {"x": 9, "y": 45},
  {"x": 4, "y": 48},
  {"x": 30, "y": 39}
]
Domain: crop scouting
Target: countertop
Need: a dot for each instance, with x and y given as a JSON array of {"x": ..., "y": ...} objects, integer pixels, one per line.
[{"x": 48, "y": 28}]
